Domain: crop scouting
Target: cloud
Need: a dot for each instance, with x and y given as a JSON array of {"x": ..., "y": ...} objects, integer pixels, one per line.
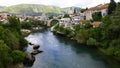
[{"x": 60, "y": 3}]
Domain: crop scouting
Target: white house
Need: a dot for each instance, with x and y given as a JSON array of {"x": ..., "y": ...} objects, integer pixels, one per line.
[
  {"x": 65, "y": 21},
  {"x": 100, "y": 8}
]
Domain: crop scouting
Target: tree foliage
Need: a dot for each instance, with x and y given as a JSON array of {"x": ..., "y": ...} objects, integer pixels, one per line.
[
  {"x": 66, "y": 16},
  {"x": 11, "y": 35},
  {"x": 91, "y": 41},
  {"x": 97, "y": 16},
  {"x": 112, "y": 7},
  {"x": 18, "y": 56},
  {"x": 53, "y": 22},
  {"x": 5, "y": 58}
]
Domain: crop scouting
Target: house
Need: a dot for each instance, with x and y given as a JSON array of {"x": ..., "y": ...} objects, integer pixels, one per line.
[
  {"x": 65, "y": 21},
  {"x": 76, "y": 19},
  {"x": 100, "y": 8},
  {"x": 3, "y": 16}
]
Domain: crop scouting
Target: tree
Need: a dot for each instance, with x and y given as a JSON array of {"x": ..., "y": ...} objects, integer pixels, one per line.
[
  {"x": 66, "y": 16},
  {"x": 82, "y": 36},
  {"x": 67, "y": 31},
  {"x": 77, "y": 27},
  {"x": 91, "y": 41},
  {"x": 97, "y": 16},
  {"x": 10, "y": 39},
  {"x": 112, "y": 7},
  {"x": 26, "y": 25},
  {"x": 53, "y": 22},
  {"x": 14, "y": 23},
  {"x": 50, "y": 17},
  {"x": 5, "y": 57},
  {"x": 82, "y": 10},
  {"x": 111, "y": 34},
  {"x": 18, "y": 56}
]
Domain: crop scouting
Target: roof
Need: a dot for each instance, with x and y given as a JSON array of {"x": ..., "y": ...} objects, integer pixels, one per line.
[
  {"x": 99, "y": 7},
  {"x": 96, "y": 23}
]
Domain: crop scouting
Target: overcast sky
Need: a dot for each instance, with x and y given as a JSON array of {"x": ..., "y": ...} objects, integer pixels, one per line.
[{"x": 60, "y": 3}]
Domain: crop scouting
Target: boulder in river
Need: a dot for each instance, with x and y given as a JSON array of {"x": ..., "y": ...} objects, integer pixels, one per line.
[
  {"x": 36, "y": 46},
  {"x": 29, "y": 59},
  {"x": 36, "y": 52},
  {"x": 30, "y": 43}
]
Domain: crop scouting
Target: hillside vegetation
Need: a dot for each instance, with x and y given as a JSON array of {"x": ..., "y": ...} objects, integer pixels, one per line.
[{"x": 33, "y": 8}]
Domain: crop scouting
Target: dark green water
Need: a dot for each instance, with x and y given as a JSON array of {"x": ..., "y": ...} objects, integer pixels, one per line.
[{"x": 60, "y": 52}]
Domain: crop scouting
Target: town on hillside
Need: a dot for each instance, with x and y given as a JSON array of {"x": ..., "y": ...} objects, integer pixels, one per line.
[{"x": 75, "y": 16}]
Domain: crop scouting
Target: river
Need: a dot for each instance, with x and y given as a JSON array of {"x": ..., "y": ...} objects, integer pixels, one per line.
[{"x": 60, "y": 52}]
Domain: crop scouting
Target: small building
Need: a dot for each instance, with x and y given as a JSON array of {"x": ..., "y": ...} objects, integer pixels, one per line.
[
  {"x": 100, "y": 8},
  {"x": 3, "y": 16},
  {"x": 65, "y": 21}
]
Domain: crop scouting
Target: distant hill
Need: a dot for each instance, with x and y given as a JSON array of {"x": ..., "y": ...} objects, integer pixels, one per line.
[{"x": 34, "y": 9}]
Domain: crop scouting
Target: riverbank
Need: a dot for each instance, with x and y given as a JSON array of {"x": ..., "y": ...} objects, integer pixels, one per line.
[
  {"x": 26, "y": 32},
  {"x": 60, "y": 52},
  {"x": 102, "y": 51},
  {"x": 109, "y": 58}
]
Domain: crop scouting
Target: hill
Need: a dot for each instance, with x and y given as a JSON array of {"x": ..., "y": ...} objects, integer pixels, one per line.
[{"x": 34, "y": 9}]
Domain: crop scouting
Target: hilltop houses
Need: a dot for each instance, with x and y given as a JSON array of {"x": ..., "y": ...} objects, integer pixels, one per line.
[{"x": 100, "y": 8}]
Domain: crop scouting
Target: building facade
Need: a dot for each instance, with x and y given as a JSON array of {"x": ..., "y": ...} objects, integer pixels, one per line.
[{"x": 100, "y": 8}]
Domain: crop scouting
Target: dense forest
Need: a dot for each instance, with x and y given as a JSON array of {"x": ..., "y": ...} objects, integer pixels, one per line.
[{"x": 11, "y": 43}]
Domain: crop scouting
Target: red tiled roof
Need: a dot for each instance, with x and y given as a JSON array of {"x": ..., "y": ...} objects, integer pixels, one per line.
[
  {"x": 96, "y": 23},
  {"x": 100, "y": 7},
  {"x": 104, "y": 6}
]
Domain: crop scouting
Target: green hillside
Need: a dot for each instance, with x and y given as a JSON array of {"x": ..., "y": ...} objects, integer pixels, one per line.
[{"x": 33, "y": 8}]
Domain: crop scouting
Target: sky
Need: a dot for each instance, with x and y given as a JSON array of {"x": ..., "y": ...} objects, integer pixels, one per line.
[{"x": 59, "y": 3}]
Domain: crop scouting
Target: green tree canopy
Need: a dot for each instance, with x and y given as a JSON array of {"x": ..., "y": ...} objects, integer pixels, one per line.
[
  {"x": 53, "y": 22},
  {"x": 5, "y": 57},
  {"x": 18, "y": 56},
  {"x": 97, "y": 16},
  {"x": 66, "y": 16},
  {"x": 112, "y": 7}
]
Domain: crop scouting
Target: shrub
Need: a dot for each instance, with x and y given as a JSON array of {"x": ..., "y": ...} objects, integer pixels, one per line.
[
  {"x": 91, "y": 41},
  {"x": 18, "y": 56}
]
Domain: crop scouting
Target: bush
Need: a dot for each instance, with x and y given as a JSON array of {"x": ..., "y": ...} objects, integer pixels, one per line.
[
  {"x": 1, "y": 65},
  {"x": 10, "y": 39},
  {"x": 66, "y": 16},
  {"x": 97, "y": 16},
  {"x": 26, "y": 25},
  {"x": 82, "y": 36},
  {"x": 91, "y": 41},
  {"x": 53, "y": 22},
  {"x": 5, "y": 57},
  {"x": 23, "y": 42},
  {"x": 17, "y": 56}
]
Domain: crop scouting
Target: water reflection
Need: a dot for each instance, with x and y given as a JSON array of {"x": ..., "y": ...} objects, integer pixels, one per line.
[{"x": 60, "y": 52}]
